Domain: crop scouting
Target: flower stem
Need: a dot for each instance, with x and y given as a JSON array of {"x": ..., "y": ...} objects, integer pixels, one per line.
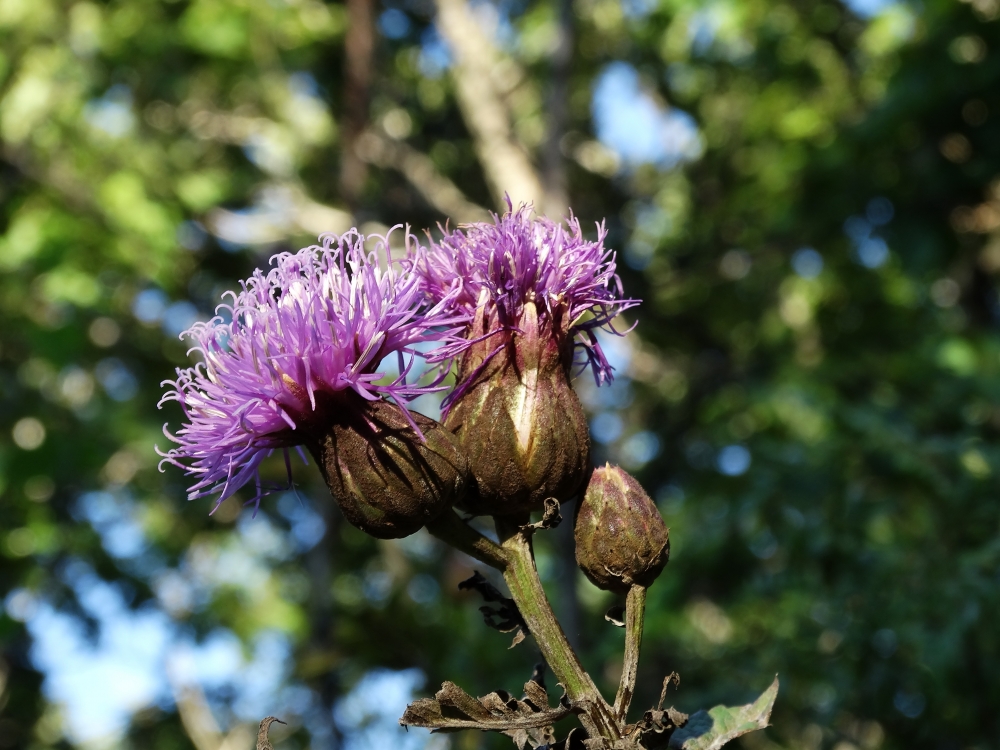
[
  {"x": 526, "y": 589},
  {"x": 635, "y": 607},
  {"x": 449, "y": 528}
]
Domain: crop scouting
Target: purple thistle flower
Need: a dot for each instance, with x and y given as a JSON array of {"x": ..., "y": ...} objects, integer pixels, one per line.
[
  {"x": 519, "y": 259},
  {"x": 320, "y": 322}
]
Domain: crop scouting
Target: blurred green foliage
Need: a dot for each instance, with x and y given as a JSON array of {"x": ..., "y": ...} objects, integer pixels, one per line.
[{"x": 811, "y": 390}]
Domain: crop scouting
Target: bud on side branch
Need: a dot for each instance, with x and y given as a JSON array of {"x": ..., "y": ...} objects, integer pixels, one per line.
[{"x": 620, "y": 536}]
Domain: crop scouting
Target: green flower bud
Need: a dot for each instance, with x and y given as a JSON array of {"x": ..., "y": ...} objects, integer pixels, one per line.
[
  {"x": 519, "y": 422},
  {"x": 386, "y": 479},
  {"x": 621, "y": 539}
]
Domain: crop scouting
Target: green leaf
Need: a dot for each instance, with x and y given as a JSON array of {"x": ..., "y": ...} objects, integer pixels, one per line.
[{"x": 710, "y": 730}]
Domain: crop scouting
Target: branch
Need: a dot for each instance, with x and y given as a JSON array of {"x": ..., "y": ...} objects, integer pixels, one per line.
[
  {"x": 419, "y": 170},
  {"x": 281, "y": 211},
  {"x": 282, "y": 208},
  {"x": 199, "y": 724},
  {"x": 508, "y": 168},
  {"x": 196, "y": 717},
  {"x": 359, "y": 49},
  {"x": 57, "y": 176},
  {"x": 449, "y": 528},
  {"x": 558, "y": 115},
  {"x": 239, "y": 738}
]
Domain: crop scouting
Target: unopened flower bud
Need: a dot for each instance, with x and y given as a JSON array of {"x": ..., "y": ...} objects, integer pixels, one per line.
[
  {"x": 388, "y": 480},
  {"x": 519, "y": 422},
  {"x": 621, "y": 539}
]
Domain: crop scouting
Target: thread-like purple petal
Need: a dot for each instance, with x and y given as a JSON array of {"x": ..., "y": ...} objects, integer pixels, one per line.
[
  {"x": 517, "y": 259},
  {"x": 320, "y": 320}
]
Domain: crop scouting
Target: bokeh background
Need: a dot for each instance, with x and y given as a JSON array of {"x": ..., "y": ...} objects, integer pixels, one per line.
[{"x": 805, "y": 194}]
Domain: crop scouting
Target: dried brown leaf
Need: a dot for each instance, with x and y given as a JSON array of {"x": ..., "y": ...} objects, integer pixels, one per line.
[
  {"x": 551, "y": 517},
  {"x": 527, "y": 721},
  {"x": 616, "y": 616}
]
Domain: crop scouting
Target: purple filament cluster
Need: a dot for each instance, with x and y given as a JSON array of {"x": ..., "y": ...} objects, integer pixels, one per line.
[
  {"x": 518, "y": 259},
  {"x": 320, "y": 320}
]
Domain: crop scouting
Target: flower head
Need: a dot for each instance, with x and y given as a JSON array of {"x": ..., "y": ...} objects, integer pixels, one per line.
[
  {"x": 519, "y": 259},
  {"x": 319, "y": 323},
  {"x": 536, "y": 292}
]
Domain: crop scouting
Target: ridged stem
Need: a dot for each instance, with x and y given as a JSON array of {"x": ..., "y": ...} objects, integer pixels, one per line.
[
  {"x": 526, "y": 589},
  {"x": 449, "y": 528},
  {"x": 515, "y": 558},
  {"x": 635, "y": 607}
]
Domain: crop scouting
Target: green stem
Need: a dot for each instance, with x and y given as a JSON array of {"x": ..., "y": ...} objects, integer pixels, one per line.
[
  {"x": 451, "y": 529},
  {"x": 526, "y": 589},
  {"x": 635, "y": 607}
]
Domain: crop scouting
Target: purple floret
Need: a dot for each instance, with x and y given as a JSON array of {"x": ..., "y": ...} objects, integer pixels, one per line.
[
  {"x": 518, "y": 259},
  {"x": 321, "y": 321}
]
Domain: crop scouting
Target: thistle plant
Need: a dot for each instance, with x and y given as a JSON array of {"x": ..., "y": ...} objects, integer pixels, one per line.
[{"x": 298, "y": 360}]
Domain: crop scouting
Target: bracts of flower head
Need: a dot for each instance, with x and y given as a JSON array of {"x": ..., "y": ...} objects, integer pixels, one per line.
[
  {"x": 297, "y": 360},
  {"x": 536, "y": 292},
  {"x": 621, "y": 539}
]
